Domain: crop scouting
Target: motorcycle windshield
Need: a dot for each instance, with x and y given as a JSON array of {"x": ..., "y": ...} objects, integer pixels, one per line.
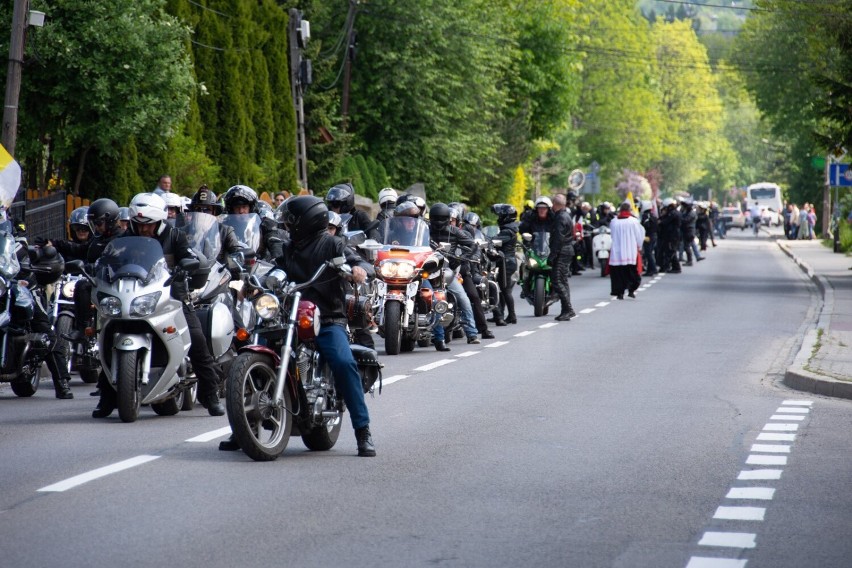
[
  {"x": 131, "y": 257},
  {"x": 9, "y": 265},
  {"x": 202, "y": 232},
  {"x": 405, "y": 232},
  {"x": 541, "y": 243},
  {"x": 246, "y": 227}
]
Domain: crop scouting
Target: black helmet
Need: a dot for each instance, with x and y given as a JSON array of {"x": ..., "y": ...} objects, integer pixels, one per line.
[
  {"x": 46, "y": 264},
  {"x": 505, "y": 212},
  {"x": 304, "y": 216},
  {"x": 411, "y": 198},
  {"x": 455, "y": 213},
  {"x": 103, "y": 211},
  {"x": 571, "y": 197},
  {"x": 240, "y": 195},
  {"x": 458, "y": 206},
  {"x": 205, "y": 199},
  {"x": 473, "y": 219},
  {"x": 341, "y": 196},
  {"x": 439, "y": 216},
  {"x": 407, "y": 209},
  {"x": 77, "y": 220}
]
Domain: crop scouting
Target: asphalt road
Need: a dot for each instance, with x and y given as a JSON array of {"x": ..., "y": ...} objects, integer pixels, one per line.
[{"x": 646, "y": 433}]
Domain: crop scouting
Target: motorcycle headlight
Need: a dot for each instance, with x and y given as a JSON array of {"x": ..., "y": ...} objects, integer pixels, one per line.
[
  {"x": 110, "y": 306},
  {"x": 68, "y": 289},
  {"x": 396, "y": 269},
  {"x": 532, "y": 262},
  {"x": 405, "y": 270},
  {"x": 388, "y": 269},
  {"x": 266, "y": 306},
  {"x": 144, "y": 305}
]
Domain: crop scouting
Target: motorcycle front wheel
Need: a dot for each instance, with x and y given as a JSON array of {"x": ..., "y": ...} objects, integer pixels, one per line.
[
  {"x": 128, "y": 386},
  {"x": 393, "y": 327},
  {"x": 540, "y": 297},
  {"x": 261, "y": 428}
]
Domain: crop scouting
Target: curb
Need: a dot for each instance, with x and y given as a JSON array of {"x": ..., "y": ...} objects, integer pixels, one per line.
[{"x": 796, "y": 377}]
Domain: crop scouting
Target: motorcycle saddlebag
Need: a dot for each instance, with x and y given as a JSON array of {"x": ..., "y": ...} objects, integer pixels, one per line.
[{"x": 368, "y": 366}]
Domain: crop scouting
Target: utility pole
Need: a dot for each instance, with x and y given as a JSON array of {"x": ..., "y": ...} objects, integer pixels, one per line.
[
  {"x": 826, "y": 198},
  {"x": 349, "y": 56},
  {"x": 13, "y": 76},
  {"x": 300, "y": 78}
]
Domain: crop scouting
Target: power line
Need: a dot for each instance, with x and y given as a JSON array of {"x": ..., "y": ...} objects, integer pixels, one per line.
[{"x": 203, "y": 7}]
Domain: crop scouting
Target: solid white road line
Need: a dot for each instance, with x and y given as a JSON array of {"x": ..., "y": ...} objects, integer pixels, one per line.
[
  {"x": 392, "y": 379},
  {"x": 771, "y": 448},
  {"x": 728, "y": 539},
  {"x": 777, "y": 427},
  {"x": 546, "y": 325},
  {"x": 468, "y": 353},
  {"x": 760, "y": 459},
  {"x": 212, "y": 435},
  {"x": 769, "y": 437},
  {"x": 762, "y": 493},
  {"x": 702, "y": 562},
  {"x": 761, "y": 474},
  {"x": 797, "y": 403},
  {"x": 601, "y": 304},
  {"x": 587, "y": 311},
  {"x": 786, "y": 417},
  {"x": 792, "y": 410},
  {"x": 72, "y": 482},
  {"x": 435, "y": 364},
  {"x": 740, "y": 513},
  {"x": 496, "y": 344},
  {"x": 525, "y": 333}
]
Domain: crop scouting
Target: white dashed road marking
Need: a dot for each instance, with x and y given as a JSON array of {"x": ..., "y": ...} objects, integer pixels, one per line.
[
  {"x": 392, "y": 379},
  {"x": 761, "y": 493},
  {"x": 525, "y": 333},
  {"x": 546, "y": 325},
  {"x": 587, "y": 311},
  {"x": 761, "y": 474},
  {"x": 212, "y": 435},
  {"x": 776, "y": 427},
  {"x": 771, "y": 448},
  {"x": 771, "y": 437},
  {"x": 786, "y": 417},
  {"x": 759, "y": 459},
  {"x": 798, "y": 403},
  {"x": 497, "y": 344},
  {"x": 435, "y": 364},
  {"x": 700, "y": 562},
  {"x": 72, "y": 482},
  {"x": 740, "y": 513},
  {"x": 601, "y": 304},
  {"x": 468, "y": 353},
  {"x": 728, "y": 539},
  {"x": 792, "y": 410}
]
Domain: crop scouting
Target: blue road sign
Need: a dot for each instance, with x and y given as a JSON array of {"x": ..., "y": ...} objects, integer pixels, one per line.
[{"x": 840, "y": 175}]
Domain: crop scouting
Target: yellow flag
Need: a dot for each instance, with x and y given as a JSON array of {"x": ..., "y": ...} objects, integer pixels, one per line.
[{"x": 10, "y": 177}]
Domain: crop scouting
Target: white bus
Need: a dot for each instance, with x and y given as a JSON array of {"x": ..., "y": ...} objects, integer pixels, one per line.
[{"x": 767, "y": 196}]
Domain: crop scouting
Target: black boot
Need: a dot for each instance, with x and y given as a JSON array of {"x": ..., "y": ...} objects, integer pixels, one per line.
[
  {"x": 511, "y": 319},
  {"x": 210, "y": 401},
  {"x": 63, "y": 391},
  {"x": 106, "y": 404},
  {"x": 487, "y": 334},
  {"x": 366, "y": 448},
  {"x": 440, "y": 346},
  {"x": 229, "y": 445}
]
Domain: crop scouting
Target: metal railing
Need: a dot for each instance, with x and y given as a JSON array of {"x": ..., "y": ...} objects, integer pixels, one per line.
[{"x": 44, "y": 217}]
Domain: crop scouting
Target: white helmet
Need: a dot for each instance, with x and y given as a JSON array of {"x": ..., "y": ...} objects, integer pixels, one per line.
[
  {"x": 173, "y": 200},
  {"x": 668, "y": 201},
  {"x": 148, "y": 208},
  {"x": 543, "y": 201},
  {"x": 387, "y": 195},
  {"x": 645, "y": 206}
]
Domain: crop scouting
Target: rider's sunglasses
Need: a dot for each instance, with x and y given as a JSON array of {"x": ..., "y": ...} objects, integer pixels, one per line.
[{"x": 202, "y": 209}]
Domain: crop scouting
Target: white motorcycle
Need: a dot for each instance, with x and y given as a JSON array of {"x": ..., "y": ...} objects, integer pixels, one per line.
[
  {"x": 143, "y": 338},
  {"x": 601, "y": 245}
]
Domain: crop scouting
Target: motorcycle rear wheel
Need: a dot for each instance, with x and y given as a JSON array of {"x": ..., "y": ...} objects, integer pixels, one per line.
[
  {"x": 167, "y": 407},
  {"x": 27, "y": 386},
  {"x": 128, "y": 386},
  {"x": 604, "y": 262},
  {"x": 323, "y": 438},
  {"x": 261, "y": 429}
]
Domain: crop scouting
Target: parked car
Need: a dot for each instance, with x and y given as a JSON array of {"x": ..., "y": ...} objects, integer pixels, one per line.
[{"x": 733, "y": 217}]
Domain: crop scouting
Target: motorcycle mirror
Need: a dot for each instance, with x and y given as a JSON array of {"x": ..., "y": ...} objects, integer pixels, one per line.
[
  {"x": 74, "y": 267},
  {"x": 338, "y": 261},
  {"x": 189, "y": 264},
  {"x": 496, "y": 242},
  {"x": 355, "y": 238},
  {"x": 527, "y": 236},
  {"x": 370, "y": 244}
]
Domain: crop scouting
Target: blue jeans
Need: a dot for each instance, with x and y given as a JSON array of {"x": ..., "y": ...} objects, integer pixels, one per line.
[
  {"x": 648, "y": 249},
  {"x": 463, "y": 301},
  {"x": 333, "y": 346}
]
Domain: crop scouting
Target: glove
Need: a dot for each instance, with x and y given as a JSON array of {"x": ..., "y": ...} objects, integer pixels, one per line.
[{"x": 40, "y": 241}]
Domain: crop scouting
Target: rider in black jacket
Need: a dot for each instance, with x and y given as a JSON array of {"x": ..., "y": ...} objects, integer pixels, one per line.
[
  {"x": 562, "y": 254},
  {"x": 507, "y": 217},
  {"x": 241, "y": 200},
  {"x": 341, "y": 199},
  {"x": 148, "y": 219},
  {"x": 310, "y": 246}
]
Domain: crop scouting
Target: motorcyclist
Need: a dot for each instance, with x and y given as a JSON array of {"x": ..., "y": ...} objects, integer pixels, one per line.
[
  {"x": 242, "y": 200},
  {"x": 669, "y": 225},
  {"x": 536, "y": 223},
  {"x": 605, "y": 214},
  {"x": 341, "y": 199},
  {"x": 360, "y": 335},
  {"x": 148, "y": 219},
  {"x": 562, "y": 254},
  {"x": 585, "y": 215},
  {"x": 649, "y": 246},
  {"x": 387, "y": 202},
  {"x": 174, "y": 208},
  {"x": 205, "y": 201},
  {"x": 309, "y": 247},
  {"x": 124, "y": 217},
  {"x": 687, "y": 231},
  {"x": 78, "y": 225},
  {"x": 468, "y": 223},
  {"x": 442, "y": 231},
  {"x": 507, "y": 217}
]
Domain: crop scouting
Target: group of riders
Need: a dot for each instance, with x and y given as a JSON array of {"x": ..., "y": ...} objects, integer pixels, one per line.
[{"x": 305, "y": 230}]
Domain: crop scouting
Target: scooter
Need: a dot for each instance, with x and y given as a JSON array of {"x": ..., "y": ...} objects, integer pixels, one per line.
[{"x": 601, "y": 245}]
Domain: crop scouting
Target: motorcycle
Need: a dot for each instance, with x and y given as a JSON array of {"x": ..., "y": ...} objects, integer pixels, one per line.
[
  {"x": 403, "y": 305},
  {"x": 601, "y": 245},
  {"x": 83, "y": 355},
  {"x": 278, "y": 386},
  {"x": 143, "y": 339},
  {"x": 22, "y": 351},
  {"x": 538, "y": 287}
]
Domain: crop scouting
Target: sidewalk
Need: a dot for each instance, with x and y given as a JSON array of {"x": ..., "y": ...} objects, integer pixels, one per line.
[{"x": 824, "y": 362}]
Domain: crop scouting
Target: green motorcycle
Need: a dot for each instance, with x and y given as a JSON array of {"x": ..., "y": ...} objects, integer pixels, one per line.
[{"x": 537, "y": 284}]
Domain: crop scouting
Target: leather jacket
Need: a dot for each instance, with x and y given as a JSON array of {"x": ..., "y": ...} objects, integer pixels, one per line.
[
  {"x": 562, "y": 234},
  {"x": 457, "y": 238}
]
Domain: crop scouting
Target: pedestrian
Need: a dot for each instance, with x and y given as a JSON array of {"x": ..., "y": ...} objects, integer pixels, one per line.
[
  {"x": 794, "y": 221},
  {"x": 562, "y": 254},
  {"x": 803, "y": 222},
  {"x": 279, "y": 198},
  {"x": 649, "y": 245},
  {"x": 811, "y": 221},
  {"x": 164, "y": 185},
  {"x": 627, "y": 238}
]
